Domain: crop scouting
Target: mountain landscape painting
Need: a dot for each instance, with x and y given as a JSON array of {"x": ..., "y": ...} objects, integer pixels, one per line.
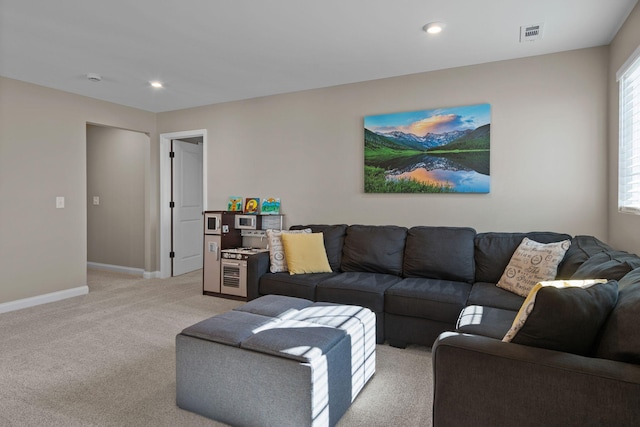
[{"x": 430, "y": 151}]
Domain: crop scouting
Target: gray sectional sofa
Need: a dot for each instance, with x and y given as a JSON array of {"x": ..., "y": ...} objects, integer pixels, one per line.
[
  {"x": 481, "y": 381},
  {"x": 424, "y": 283},
  {"x": 417, "y": 280}
]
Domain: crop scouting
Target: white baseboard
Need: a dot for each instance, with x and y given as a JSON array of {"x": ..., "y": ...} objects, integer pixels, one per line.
[
  {"x": 122, "y": 269},
  {"x": 151, "y": 274},
  {"x": 117, "y": 268},
  {"x": 43, "y": 299}
]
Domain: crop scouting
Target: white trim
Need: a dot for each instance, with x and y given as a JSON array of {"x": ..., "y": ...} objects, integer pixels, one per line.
[
  {"x": 116, "y": 268},
  {"x": 628, "y": 142},
  {"x": 43, "y": 299},
  {"x": 165, "y": 191},
  {"x": 628, "y": 63},
  {"x": 628, "y": 210},
  {"x": 151, "y": 275}
]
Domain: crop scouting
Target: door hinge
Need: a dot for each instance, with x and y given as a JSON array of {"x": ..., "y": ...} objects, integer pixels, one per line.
[
  {"x": 172, "y": 254},
  {"x": 172, "y": 154},
  {"x": 172, "y": 204}
]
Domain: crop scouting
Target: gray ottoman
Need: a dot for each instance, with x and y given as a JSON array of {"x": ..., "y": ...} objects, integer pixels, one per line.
[{"x": 276, "y": 361}]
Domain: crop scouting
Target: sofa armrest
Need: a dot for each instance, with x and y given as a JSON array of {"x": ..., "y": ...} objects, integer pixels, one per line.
[
  {"x": 257, "y": 265},
  {"x": 482, "y": 381}
]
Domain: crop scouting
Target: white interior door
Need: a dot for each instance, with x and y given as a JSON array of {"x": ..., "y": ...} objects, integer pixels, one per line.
[{"x": 187, "y": 213}]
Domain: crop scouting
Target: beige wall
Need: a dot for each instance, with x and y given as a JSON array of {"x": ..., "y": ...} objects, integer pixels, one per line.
[
  {"x": 548, "y": 147},
  {"x": 43, "y": 155},
  {"x": 116, "y": 174},
  {"x": 624, "y": 229},
  {"x": 548, "y": 159}
]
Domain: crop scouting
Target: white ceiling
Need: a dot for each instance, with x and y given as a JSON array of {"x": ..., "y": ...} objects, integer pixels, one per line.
[{"x": 212, "y": 51}]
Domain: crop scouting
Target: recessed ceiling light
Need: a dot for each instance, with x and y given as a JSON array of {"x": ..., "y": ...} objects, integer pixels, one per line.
[
  {"x": 156, "y": 84},
  {"x": 434, "y": 27}
]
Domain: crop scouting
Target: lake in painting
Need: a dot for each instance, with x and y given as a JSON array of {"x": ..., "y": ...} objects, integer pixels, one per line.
[{"x": 431, "y": 151}]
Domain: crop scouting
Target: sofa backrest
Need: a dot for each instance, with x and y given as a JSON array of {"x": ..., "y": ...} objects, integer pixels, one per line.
[
  {"x": 582, "y": 248},
  {"x": 333, "y": 240},
  {"x": 620, "y": 335},
  {"x": 440, "y": 253},
  {"x": 374, "y": 249},
  {"x": 493, "y": 251},
  {"x": 611, "y": 265}
]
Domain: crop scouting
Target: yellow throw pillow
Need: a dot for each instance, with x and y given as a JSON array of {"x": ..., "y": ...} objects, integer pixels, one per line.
[{"x": 305, "y": 253}]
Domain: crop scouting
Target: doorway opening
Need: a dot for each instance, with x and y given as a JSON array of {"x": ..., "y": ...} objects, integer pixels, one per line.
[
  {"x": 166, "y": 195},
  {"x": 117, "y": 199}
]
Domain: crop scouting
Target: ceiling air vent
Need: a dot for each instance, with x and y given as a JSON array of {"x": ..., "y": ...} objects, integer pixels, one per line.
[{"x": 529, "y": 33}]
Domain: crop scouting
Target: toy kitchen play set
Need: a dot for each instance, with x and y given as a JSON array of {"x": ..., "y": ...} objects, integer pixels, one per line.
[{"x": 230, "y": 238}]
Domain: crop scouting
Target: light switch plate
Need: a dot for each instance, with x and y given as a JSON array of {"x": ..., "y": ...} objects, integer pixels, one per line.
[
  {"x": 96, "y": 200},
  {"x": 59, "y": 202}
]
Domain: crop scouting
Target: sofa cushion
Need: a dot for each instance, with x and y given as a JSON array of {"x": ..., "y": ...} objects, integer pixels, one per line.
[
  {"x": 532, "y": 262},
  {"x": 486, "y": 321},
  {"x": 494, "y": 250},
  {"x": 357, "y": 288},
  {"x": 440, "y": 253},
  {"x": 297, "y": 285},
  {"x": 629, "y": 279},
  {"x": 345, "y": 317},
  {"x": 434, "y": 299},
  {"x": 489, "y": 295},
  {"x": 581, "y": 249},
  {"x": 294, "y": 339},
  {"x": 564, "y": 315},
  {"x": 283, "y": 307},
  {"x": 305, "y": 253},
  {"x": 333, "y": 240},
  {"x": 374, "y": 249},
  {"x": 620, "y": 338},
  {"x": 231, "y": 328},
  {"x": 611, "y": 265}
]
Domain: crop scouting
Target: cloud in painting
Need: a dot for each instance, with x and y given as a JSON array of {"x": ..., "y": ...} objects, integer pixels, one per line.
[
  {"x": 436, "y": 121},
  {"x": 437, "y": 124}
]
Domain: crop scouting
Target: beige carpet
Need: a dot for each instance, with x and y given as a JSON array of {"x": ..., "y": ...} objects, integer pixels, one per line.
[{"x": 108, "y": 359}]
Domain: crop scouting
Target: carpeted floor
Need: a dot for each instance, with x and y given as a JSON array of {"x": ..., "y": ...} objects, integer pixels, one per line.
[{"x": 108, "y": 359}]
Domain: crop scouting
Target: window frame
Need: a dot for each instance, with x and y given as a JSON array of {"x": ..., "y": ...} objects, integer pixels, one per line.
[{"x": 629, "y": 135}]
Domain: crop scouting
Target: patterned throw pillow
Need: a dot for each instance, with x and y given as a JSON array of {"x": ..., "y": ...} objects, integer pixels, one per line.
[
  {"x": 277, "y": 260},
  {"x": 564, "y": 315},
  {"x": 532, "y": 262}
]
